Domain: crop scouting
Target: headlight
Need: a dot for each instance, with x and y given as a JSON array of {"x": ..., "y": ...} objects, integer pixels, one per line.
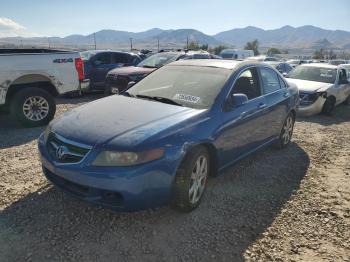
[
  {"x": 114, "y": 158},
  {"x": 310, "y": 98}
]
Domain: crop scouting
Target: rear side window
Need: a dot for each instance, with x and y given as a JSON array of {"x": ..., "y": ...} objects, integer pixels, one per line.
[
  {"x": 103, "y": 58},
  {"x": 270, "y": 80}
]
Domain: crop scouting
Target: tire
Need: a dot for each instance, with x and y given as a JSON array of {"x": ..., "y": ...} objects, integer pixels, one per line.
[
  {"x": 107, "y": 91},
  {"x": 286, "y": 132},
  {"x": 191, "y": 177},
  {"x": 73, "y": 94},
  {"x": 33, "y": 107},
  {"x": 328, "y": 106}
]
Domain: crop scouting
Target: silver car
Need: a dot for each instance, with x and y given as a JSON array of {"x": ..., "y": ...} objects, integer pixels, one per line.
[{"x": 321, "y": 87}]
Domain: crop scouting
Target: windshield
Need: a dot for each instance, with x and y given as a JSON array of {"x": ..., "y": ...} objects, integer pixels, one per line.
[
  {"x": 158, "y": 60},
  {"x": 190, "y": 86},
  {"x": 87, "y": 55},
  {"x": 318, "y": 74}
]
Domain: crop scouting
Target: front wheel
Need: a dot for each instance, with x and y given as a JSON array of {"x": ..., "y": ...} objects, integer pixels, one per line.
[
  {"x": 286, "y": 132},
  {"x": 33, "y": 107},
  {"x": 191, "y": 179},
  {"x": 328, "y": 106}
]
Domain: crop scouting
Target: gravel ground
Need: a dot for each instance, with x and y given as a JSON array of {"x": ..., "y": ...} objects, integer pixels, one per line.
[{"x": 289, "y": 205}]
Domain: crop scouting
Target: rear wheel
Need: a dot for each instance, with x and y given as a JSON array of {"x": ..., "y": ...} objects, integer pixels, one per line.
[
  {"x": 191, "y": 179},
  {"x": 286, "y": 132},
  {"x": 33, "y": 107},
  {"x": 328, "y": 105}
]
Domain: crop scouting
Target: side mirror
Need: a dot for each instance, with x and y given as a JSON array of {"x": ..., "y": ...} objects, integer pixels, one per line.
[
  {"x": 343, "y": 82},
  {"x": 284, "y": 74},
  {"x": 238, "y": 99},
  {"x": 130, "y": 84}
]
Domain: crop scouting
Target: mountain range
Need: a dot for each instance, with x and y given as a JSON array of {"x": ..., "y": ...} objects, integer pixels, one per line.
[{"x": 284, "y": 37}]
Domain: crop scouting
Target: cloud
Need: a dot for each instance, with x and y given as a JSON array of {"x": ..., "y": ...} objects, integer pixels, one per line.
[{"x": 10, "y": 28}]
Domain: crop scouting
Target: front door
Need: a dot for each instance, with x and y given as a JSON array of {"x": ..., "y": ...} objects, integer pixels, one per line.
[{"x": 243, "y": 125}]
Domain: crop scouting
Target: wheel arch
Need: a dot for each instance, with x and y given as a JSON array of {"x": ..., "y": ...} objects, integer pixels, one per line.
[
  {"x": 213, "y": 154},
  {"x": 30, "y": 80}
]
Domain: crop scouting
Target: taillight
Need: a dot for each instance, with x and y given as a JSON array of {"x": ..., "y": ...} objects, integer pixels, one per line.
[{"x": 79, "y": 65}]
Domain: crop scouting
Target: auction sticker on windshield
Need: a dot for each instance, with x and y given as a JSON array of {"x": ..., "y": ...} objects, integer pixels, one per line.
[{"x": 187, "y": 98}]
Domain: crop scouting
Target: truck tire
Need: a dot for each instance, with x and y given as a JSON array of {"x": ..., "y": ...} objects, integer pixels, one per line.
[{"x": 33, "y": 107}]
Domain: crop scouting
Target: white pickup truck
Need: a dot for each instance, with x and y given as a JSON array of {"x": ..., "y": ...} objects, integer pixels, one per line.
[{"x": 31, "y": 78}]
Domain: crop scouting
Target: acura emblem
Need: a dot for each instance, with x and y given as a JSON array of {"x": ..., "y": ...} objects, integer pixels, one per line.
[{"x": 61, "y": 151}]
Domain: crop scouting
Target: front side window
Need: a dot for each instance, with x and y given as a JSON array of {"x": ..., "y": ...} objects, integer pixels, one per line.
[
  {"x": 270, "y": 80},
  {"x": 248, "y": 83},
  {"x": 120, "y": 58}
]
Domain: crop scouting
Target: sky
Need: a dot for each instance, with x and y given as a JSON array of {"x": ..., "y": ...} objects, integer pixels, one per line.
[{"x": 66, "y": 17}]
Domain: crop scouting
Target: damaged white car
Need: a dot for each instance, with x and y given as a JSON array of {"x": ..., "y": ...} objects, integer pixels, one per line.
[{"x": 321, "y": 87}]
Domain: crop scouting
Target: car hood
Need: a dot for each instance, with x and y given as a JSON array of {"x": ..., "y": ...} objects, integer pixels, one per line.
[
  {"x": 119, "y": 120},
  {"x": 309, "y": 86},
  {"x": 131, "y": 70}
]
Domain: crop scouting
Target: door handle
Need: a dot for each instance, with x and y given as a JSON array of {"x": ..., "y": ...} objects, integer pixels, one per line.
[
  {"x": 262, "y": 106},
  {"x": 286, "y": 94}
]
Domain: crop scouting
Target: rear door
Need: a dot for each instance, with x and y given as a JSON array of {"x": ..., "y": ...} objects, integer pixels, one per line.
[
  {"x": 101, "y": 64},
  {"x": 244, "y": 126},
  {"x": 277, "y": 98}
]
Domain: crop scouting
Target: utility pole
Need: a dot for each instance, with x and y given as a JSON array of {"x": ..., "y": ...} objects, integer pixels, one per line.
[
  {"x": 95, "y": 40},
  {"x": 130, "y": 43},
  {"x": 187, "y": 43},
  {"x": 48, "y": 40},
  {"x": 158, "y": 43}
]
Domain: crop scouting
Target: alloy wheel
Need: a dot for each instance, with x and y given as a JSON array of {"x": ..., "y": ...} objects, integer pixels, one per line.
[
  {"x": 35, "y": 108},
  {"x": 198, "y": 179},
  {"x": 288, "y": 130}
]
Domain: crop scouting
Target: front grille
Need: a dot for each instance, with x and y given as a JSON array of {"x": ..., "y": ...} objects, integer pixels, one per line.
[
  {"x": 120, "y": 82},
  {"x": 63, "y": 150},
  {"x": 98, "y": 196}
]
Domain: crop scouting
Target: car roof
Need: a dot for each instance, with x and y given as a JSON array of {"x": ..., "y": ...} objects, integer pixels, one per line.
[{"x": 219, "y": 63}]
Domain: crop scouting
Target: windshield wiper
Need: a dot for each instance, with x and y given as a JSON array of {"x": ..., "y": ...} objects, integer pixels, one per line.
[
  {"x": 148, "y": 66},
  {"x": 160, "y": 99},
  {"x": 126, "y": 93}
]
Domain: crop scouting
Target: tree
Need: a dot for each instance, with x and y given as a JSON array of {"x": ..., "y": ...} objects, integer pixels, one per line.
[
  {"x": 254, "y": 45},
  {"x": 273, "y": 51},
  {"x": 216, "y": 50},
  {"x": 319, "y": 54},
  {"x": 192, "y": 46}
]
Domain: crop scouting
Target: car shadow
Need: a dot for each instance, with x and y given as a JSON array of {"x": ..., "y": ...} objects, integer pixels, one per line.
[
  {"x": 339, "y": 115},
  {"x": 88, "y": 97},
  {"x": 238, "y": 206}
]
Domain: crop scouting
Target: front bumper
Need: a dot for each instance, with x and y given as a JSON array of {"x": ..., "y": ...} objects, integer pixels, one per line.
[
  {"x": 313, "y": 109},
  {"x": 119, "y": 188}
]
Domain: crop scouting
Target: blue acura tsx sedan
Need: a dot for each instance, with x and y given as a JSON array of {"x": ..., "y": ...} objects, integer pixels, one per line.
[{"x": 159, "y": 141}]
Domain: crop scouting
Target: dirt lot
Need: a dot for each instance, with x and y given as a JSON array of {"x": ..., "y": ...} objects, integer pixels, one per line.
[{"x": 288, "y": 205}]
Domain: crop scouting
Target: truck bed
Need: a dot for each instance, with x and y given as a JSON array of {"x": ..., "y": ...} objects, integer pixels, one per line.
[{"x": 32, "y": 51}]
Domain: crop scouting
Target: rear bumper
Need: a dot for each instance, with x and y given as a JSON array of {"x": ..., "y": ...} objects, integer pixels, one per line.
[{"x": 85, "y": 85}]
